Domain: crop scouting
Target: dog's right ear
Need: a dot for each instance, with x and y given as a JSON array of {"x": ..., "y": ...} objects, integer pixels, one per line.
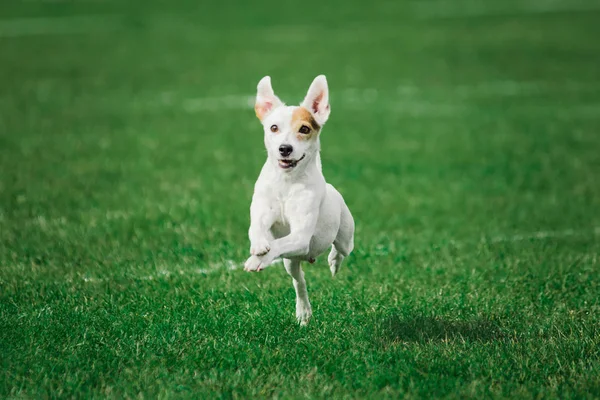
[{"x": 266, "y": 101}]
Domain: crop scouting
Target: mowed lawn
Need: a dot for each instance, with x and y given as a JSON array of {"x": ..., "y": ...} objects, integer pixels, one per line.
[{"x": 464, "y": 136}]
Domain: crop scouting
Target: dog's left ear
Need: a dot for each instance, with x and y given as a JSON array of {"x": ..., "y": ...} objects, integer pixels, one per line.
[{"x": 317, "y": 100}]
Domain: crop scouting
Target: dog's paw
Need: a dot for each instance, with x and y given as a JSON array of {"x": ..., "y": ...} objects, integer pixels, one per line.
[
  {"x": 303, "y": 313},
  {"x": 335, "y": 261},
  {"x": 259, "y": 247},
  {"x": 253, "y": 264}
]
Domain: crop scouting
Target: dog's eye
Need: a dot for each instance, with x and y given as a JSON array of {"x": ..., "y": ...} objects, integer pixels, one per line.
[
  {"x": 304, "y": 129},
  {"x": 274, "y": 128}
]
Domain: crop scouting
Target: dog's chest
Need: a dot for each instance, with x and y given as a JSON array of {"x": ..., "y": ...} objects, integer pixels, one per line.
[
  {"x": 286, "y": 201},
  {"x": 281, "y": 226}
]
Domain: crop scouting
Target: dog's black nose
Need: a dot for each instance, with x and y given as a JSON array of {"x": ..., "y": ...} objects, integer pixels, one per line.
[{"x": 285, "y": 150}]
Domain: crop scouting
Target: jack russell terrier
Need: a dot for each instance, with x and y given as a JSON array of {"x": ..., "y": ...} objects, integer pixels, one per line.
[{"x": 295, "y": 214}]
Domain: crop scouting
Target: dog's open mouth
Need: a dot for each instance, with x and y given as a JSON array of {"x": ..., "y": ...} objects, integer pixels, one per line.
[{"x": 286, "y": 164}]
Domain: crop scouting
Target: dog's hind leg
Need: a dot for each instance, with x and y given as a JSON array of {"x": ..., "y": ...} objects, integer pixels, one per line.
[
  {"x": 343, "y": 243},
  {"x": 303, "y": 308}
]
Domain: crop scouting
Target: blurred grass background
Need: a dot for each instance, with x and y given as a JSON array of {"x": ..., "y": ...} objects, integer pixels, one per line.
[{"x": 464, "y": 137}]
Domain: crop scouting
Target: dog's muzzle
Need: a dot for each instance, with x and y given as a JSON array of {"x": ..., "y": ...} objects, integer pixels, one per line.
[{"x": 287, "y": 164}]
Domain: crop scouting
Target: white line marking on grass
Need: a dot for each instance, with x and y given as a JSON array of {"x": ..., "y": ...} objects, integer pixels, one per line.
[
  {"x": 91, "y": 279},
  {"x": 58, "y": 25},
  {"x": 405, "y": 99},
  {"x": 411, "y": 100},
  {"x": 45, "y": 224},
  {"x": 228, "y": 265},
  {"x": 168, "y": 273},
  {"x": 229, "y": 102},
  {"x": 350, "y": 99},
  {"x": 542, "y": 235},
  {"x": 478, "y": 8}
]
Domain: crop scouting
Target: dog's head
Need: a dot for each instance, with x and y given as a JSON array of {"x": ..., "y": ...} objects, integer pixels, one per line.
[{"x": 292, "y": 132}]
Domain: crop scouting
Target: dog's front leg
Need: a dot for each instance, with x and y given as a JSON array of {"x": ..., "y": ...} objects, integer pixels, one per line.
[
  {"x": 296, "y": 244},
  {"x": 262, "y": 217},
  {"x": 259, "y": 239}
]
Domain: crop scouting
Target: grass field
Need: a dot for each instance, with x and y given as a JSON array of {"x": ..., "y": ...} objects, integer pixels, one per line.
[{"x": 465, "y": 137}]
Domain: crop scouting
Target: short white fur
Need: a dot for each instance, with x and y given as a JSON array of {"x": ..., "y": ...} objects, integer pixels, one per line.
[{"x": 294, "y": 213}]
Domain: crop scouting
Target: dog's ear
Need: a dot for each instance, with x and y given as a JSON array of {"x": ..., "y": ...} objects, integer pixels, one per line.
[
  {"x": 266, "y": 101},
  {"x": 317, "y": 100}
]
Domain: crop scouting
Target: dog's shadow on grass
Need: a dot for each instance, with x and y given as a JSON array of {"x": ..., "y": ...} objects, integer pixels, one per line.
[{"x": 422, "y": 329}]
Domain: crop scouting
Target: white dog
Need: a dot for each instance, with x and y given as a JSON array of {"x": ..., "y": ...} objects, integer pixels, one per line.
[{"x": 295, "y": 214}]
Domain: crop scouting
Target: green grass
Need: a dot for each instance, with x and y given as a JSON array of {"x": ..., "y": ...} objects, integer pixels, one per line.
[{"x": 464, "y": 137}]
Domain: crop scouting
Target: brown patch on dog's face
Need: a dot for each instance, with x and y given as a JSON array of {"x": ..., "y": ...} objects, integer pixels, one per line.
[{"x": 301, "y": 117}]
